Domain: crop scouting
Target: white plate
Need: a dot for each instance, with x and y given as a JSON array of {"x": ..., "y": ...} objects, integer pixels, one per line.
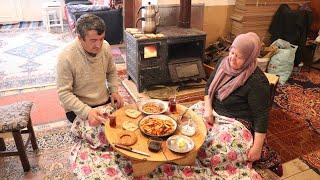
[
  {"x": 162, "y": 118},
  {"x": 180, "y": 143},
  {"x": 163, "y": 105}
]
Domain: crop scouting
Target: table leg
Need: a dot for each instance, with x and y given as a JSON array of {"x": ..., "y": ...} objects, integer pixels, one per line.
[{"x": 141, "y": 168}]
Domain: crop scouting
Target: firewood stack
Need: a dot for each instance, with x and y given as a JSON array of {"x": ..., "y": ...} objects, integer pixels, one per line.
[{"x": 256, "y": 16}]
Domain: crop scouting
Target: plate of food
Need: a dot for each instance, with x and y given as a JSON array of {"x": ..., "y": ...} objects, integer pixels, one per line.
[
  {"x": 153, "y": 106},
  {"x": 180, "y": 143},
  {"x": 157, "y": 125}
]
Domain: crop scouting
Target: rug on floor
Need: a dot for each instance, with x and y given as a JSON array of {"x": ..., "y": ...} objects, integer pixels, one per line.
[
  {"x": 52, "y": 160},
  {"x": 295, "y": 117},
  {"x": 28, "y": 58},
  {"x": 21, "y": 26}
]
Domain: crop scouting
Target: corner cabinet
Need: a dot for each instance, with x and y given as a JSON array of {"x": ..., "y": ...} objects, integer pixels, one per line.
[{"x": 12, "y": 11}]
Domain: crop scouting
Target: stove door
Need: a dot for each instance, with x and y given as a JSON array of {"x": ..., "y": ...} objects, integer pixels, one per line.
[{"x": 187, "y": 70}]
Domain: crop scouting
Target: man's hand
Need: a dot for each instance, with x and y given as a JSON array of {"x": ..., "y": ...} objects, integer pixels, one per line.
[
  {"x": 95, "y": 117},
  {"x": 115, "y": 97}
]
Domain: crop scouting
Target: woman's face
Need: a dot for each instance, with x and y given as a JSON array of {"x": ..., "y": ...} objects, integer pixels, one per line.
[{"x": 236, "y": 59}]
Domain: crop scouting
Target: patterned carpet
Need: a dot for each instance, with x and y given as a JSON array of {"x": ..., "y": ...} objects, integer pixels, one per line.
[
  {"x": 294, "y": 128},
  {"x": 21, "y": 26},
  {"x": 50, "y": 163},
  {"x": 28, "y": 58}
]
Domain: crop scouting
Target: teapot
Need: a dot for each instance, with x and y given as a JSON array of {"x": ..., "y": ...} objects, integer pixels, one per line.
[
  {"x": 150, "y": 25},
  {"x": 151, "y": 10}
]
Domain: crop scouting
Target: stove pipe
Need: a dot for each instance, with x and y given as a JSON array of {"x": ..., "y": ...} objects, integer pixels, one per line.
[{"x": 185, "y": 14}]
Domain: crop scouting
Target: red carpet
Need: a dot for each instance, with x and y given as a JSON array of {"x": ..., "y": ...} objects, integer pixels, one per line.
[
  {"x": 294, "y": 125},
  {"x": 291, "y": 137},
  {"x": 46, "y": 106}
]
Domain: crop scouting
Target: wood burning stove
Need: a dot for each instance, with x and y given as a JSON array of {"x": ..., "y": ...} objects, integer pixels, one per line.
[{"x": 176, "y": 57}]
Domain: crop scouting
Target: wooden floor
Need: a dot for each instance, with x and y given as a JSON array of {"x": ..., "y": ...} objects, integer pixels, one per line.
[{"x": 297, "y": 170}]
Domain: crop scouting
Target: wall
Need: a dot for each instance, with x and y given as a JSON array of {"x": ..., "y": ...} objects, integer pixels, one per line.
[
  {"x": 213, "y": 17},
  {"x": 14, "y": 11},
  {"x": 169, "y": 14},
  {"x": 216, "y": 22}
]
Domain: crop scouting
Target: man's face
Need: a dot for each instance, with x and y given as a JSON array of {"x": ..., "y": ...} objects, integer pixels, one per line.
[{"x": 92, "y": 42}]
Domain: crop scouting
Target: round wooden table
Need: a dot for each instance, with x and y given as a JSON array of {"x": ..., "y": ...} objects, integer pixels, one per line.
[{"x": 142, "y": 165}]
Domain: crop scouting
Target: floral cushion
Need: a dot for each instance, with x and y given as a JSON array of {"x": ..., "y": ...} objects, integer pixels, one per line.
[{"x": 15, "y": 116}]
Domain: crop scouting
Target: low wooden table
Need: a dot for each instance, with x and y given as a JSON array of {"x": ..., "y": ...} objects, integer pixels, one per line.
[{"x": 142, "y": 165}]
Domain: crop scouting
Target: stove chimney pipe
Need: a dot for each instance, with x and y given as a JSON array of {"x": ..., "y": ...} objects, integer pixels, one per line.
[{"x": 185, "y": 14}]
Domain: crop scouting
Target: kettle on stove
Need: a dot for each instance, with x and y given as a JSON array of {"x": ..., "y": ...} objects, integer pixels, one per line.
[
  {"x": 150, "y": 10},
  {"x": 149, "y": 25}
]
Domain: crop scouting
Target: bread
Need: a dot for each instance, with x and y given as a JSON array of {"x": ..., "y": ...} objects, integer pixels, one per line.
[
  {"x": 127, "y": 138},
  {"x": 132, "y": 113},
  {"x": 130, "y": 126}
]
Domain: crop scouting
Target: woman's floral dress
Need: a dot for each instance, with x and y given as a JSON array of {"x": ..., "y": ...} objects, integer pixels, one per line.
[{"x": 222, "y": 156}]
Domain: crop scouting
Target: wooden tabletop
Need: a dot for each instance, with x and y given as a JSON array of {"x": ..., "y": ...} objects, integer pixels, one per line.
[{"x": 166, "y": 155}]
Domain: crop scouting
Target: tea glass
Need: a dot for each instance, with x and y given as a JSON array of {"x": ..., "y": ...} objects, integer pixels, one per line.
[
  {"x": 154, "y": 144},
  {"x": 172, "y": 105}
]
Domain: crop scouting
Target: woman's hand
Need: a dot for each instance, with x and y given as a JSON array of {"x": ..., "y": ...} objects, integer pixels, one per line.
[
  {"x": 254, "y": 153},
  {"x": 207, "y": 115},
  {"x": 95, "y": 117}
]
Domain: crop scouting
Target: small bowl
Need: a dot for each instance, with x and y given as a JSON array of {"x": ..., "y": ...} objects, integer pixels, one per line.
[
  {"x": 188, "y": 129},
  {"x": 154, "y": 144}
]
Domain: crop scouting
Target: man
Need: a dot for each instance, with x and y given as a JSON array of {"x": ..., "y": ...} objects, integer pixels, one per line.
[{"x": 82, "y": 70}]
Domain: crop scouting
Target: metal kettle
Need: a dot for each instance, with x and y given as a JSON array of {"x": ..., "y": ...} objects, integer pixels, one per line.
[
  {"x": 149, "y": 25},
  {"x": 150, "y": 10}
]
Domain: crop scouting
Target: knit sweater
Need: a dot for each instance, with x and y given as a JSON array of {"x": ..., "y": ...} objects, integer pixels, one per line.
[
  {"x": 81, "y": 78},
  {"x": 250, "y": 102}
]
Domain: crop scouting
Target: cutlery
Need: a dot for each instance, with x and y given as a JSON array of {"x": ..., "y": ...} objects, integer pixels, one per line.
[{"x": 131, "y": 149}]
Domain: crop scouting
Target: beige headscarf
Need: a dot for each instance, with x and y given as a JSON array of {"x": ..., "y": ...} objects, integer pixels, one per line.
[{"x": 249, "y": 45}]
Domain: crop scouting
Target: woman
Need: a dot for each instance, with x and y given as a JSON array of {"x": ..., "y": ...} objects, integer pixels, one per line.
[{"x": 239, "y": 89}]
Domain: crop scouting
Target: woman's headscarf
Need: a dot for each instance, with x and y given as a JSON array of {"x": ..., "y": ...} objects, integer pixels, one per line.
[{"x": 249, "y": 46}]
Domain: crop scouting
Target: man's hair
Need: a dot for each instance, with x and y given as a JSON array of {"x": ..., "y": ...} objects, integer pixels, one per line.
[{"x": 87, "y": 22}]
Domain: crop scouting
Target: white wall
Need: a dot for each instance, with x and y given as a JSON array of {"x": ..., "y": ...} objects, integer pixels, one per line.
[{"x": 12, "y": 11}]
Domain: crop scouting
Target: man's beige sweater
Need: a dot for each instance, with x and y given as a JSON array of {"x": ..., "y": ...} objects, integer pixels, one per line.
[{"x": 81, "y": 79}]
